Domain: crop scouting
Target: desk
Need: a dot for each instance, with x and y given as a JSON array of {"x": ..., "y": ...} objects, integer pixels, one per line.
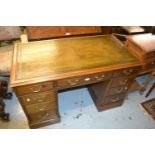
[{"x": 40, "y": 69}]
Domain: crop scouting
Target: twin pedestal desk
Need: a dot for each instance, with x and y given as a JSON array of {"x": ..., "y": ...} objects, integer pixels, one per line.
[{"x": 41, "y": 69}]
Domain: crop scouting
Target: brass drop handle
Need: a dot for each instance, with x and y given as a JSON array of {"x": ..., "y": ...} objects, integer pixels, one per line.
[
  {"x": 123, "y": 82},
  {"x": 119, "y": 91},
  {"x": 99, "y": 78},
  {"x": 126, "y": 88},
  {"x": 43, "y": 116},
  {"x": 128, "y": 72},
  {"x": 73, "y": 82},
  {"x": 36, "y": 90},
  {"x": 41, "y": 107},
  {"x": 115, "y": 100}
]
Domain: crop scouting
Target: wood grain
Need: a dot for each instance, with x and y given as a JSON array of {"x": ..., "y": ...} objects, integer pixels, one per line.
[
  {"x": 45, "y": 32},
  {"x": 60, "y": 58}
]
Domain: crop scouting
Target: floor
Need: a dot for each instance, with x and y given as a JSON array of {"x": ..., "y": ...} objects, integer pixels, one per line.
[{"x": 77, "y": 111}]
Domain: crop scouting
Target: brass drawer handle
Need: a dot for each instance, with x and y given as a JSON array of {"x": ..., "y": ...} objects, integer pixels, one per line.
[
  {"x": 123, "y": 82},
  {"x": 99, "y": 78},
  {"x": 36, "y": 90},
  {"x": 72, "y": 83},
  {"x": 126, "y": 88},
  {"x": 119, "y": 91},
  {"x": 128, "y": 72},
  {"x": 41, "y": 116},
  {"x": 41, "y": 109},
  {"x": 115, "y": 100},
  {"x": 34, "y": 99}
]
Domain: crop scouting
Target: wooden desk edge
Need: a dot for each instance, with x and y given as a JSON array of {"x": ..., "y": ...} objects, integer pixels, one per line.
[{"x": 14, "y": 83}]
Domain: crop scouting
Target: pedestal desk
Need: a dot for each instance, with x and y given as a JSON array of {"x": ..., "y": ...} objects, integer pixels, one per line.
[{"x": 41, "y": 69}]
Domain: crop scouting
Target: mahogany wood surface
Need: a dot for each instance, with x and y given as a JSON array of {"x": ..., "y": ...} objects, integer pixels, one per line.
[
  {"x": 44, "y": 32},
  {"x": 60, "y": 58},
  {"x": 142, "y": 45}
]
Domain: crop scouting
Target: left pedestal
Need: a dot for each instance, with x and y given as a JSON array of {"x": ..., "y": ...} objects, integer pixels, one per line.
[{"x": 40, "y": 104}]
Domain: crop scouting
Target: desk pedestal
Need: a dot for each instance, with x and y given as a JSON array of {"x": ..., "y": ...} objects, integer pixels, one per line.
[{"x": 110, "y": 94}]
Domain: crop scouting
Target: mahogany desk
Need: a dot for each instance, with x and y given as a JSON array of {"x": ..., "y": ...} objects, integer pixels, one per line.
[{"x": 40, "y": 69}]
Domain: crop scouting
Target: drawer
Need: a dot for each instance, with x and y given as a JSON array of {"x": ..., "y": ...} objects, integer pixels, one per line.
[
  {"x": 117, "y": 90},
  {"x": 150, "y": 65},
  {"x": 43, "y": 115},
  {"x": 121, "y": 82},
  {"x": 38, "y": 98},
  {"x": 35, "y": 88},
  {"x": 114, "y": 98},
  {"x": 110, "y": 105},
  {"x": 83, "y": 80},
  {"x": 126, "y": 72},
  {"x": 36, "y": 108}
]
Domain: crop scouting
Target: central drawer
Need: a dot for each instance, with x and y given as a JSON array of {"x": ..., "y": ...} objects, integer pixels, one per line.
[
  {"x": 83, "y": 80},
  {"x": 126, "y": 72}
]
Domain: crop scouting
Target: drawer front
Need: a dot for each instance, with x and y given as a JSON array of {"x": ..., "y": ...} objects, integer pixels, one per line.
[
  {"x": 83, "y": 80},
  {"x": 117, "y": 90},
  {"x": 38, "y": 98},
  {"x": 110, "y": 105},
  {"x": 36, "y": 108},
  {"x": 150, "y": 65},
  {"x": 121, "y": 82},
  {"x": 35, "y": 88},
  {"x": 126, "y": 72},
  {"x": 43, "y": 115},
  {"x": 114, "y": 98}
]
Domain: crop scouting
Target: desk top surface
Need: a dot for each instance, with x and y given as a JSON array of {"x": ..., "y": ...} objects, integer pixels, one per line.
[{"x": 57, "y": 58}]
